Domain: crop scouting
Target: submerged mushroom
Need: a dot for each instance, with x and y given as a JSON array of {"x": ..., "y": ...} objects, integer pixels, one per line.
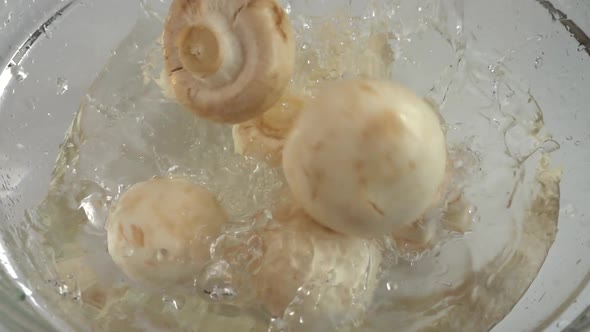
[
  {"x": 264, "y": 137},
  {"x": 228, "y": 61},
  {"x": 325, "y": 277},
  {"x": 366, "y": 157},
  {"x": 160, "y": 231}
]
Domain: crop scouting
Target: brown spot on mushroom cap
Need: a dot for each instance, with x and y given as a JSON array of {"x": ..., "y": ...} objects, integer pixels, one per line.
[
  {"x": 317, "y": 146},
  {"x": 367, "y": 88},
  {"x": 279, "y": 17},
  {"x": 137, "y": 236},
  {"x": 359, "y": 166},
  {"x": 121, "y": 234},
  {"x": 412, "y": 165},
  {"x": 376, "y": 208},
  {"x": 382, "y": 125}
]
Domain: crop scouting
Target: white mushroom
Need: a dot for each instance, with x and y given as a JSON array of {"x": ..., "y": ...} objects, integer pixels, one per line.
[
  {"x": 160, "y": 231},
  {"x": 298, "y": 252},
  {"x": 366, "y": 157},
  {"x": 228, "y": 60},
  {"x": 264, "y": 137}
]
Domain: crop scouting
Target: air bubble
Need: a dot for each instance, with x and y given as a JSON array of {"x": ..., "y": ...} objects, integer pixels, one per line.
[{"x": 550, "y": 146}]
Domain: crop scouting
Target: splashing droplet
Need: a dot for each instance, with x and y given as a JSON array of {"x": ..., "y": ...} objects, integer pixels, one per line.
[
  {"x": 19, "y": 74},
  {"x": 550, "y": 146},
  {"x": 128, "y": 252},
  {"x": 538, "y": 62},
  {"x": 62, "y": 85}
]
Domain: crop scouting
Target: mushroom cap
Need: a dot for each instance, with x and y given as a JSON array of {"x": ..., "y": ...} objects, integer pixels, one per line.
[
  {"x": 366, "y": 157},
  {"x": 160, "y": 231},
  {"x": 299, "y": 252},
  {"x": 264, "y": 137},
  {"x": 228, "y": 60}
]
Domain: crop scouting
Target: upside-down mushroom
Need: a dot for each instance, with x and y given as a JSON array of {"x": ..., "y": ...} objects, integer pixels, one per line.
[{"x": 228, "y": 60}]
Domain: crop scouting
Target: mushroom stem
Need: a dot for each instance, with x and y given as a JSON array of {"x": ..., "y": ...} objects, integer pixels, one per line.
[
  {"x": 199, "y": 50},
  {"x": 264, "y": 137}
]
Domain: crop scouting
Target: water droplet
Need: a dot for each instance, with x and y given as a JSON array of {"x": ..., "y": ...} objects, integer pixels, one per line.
[
  {"x": 569, "y": 138},
  {"x": 62, "y": 289},
  {"x": 550, "y": 146},
  {"x": 19, "y": 74},
  {"x": 176, "y": 304},
  {"x": 268, "y": 215},
  {"x": 128, "y": 252},
  {"x": 62, "y": 85},
  {"x": 222, "y": 293},
  {"x": 95, "y": 206},
  {"x": 538, "y": 62},
  {"x": 392, "y": 286},
  {"x": 568, "y": 210},
  {"x": 215, "y": 283},
  {"x": 577, "y": 143},
  {"x": 7, "y": 20},
  {"x": 45, "y": 29},
  {"x": 492, "y": 69},
  {"x": 277, "y": 325}
]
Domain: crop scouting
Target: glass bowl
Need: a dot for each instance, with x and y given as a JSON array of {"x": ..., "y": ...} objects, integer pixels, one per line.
[{"x": 52, "y": 51}]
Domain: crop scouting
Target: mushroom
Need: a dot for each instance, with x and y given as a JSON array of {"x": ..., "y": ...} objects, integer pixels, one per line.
[
  {"x": 366, "y": 157},
  {"x": 160, "y": 231},
  {"x": 264, "y": 137},
  {"x": 299, "y": 256},
  {"x": 228, "y": 60}
]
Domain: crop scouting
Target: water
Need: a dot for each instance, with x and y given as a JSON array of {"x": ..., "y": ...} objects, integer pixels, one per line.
[
  {"x": 62, "y": 85},
  {"x": 129, "y": 130}
]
